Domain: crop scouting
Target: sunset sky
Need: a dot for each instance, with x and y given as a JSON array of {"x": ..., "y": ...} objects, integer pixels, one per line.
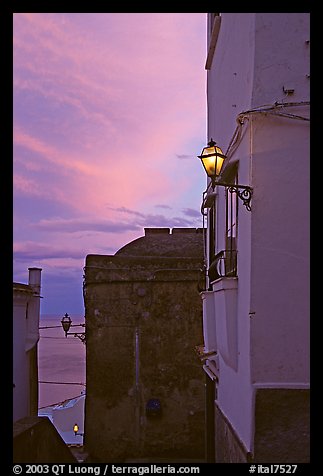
[{"x": 109, "y": 116}]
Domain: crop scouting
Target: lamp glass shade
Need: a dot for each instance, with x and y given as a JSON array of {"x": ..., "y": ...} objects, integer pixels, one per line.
[
  {"x": 66, "y": 322},
  {"x": 75, "y": 428},
  {"x": 212, "y": 159}
]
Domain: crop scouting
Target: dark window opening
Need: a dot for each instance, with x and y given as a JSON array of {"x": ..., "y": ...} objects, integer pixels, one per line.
[
  {"x": 231, "y": 232},
  {"x": 212, "y": 229},
  {"x": 224, "y": 263}
]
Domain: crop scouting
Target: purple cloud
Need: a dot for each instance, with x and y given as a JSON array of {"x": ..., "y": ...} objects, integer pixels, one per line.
[
  {"x": 191, "y": 212},
  {"x": 101, "y": 105},
  {"x": 74, "y": 225}
]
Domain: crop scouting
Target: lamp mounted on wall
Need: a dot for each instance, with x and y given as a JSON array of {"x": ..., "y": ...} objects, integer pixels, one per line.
[
  {"x": 213, "y": 159},
  {"x": 67, "y": 323},
  {"x": 76, "y": 430}
]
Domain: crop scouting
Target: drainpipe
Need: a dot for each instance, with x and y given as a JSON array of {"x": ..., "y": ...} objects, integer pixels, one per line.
[
  {"x": 137, "y": 385},
  {"x": 209, "y": 420}
]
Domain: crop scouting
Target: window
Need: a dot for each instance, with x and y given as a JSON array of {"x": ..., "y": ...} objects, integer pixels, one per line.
[
  {"x": 224, "y": 263},
  {"x": 231, "y": 231},
  {"x": 212, "y": 230}
]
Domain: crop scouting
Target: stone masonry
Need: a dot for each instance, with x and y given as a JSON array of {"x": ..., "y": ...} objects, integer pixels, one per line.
[{"x": 145, "y": 384}]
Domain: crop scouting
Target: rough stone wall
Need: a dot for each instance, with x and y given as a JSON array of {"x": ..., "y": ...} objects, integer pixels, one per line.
[
  {"x": 228, "y": 448},
  {"x": 36, "y": 440},
  {"x": 282, "y": 428},
  {"x": 143, "y": 320}
]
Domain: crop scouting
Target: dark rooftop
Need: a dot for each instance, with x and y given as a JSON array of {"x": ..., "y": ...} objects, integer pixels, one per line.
[{"x": 181, "y": 242}]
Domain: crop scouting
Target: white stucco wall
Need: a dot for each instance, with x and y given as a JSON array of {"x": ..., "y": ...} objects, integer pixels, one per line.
[
  {"x": 230, "y": 79},
  {"x": 26, "y": 309},
  {"x": 280, "y": 251},
  {"x": 256, "y": 56},
  {"x": 281, "y": 57},
  {"x": 21, "y": 397},
  {"x": 235, "y": 392},
  {"x": 67, "y": 414},
  {"x": 280, "y": 217},
  {"x": 230, "y": 82}
]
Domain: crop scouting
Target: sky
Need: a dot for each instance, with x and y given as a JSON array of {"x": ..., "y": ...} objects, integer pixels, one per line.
[{"x": 109, "y": 115}]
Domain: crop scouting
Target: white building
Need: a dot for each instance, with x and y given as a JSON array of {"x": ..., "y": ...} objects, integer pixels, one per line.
[
  {"x": 26, "y": 308},
  {"x": 65, "y": 415},
  {"x": 256, "y": 302}
]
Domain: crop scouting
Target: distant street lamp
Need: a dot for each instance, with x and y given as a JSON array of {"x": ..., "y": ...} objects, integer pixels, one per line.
[
  {"x": 67, "y": 324},
  {"x": 76, "y": 429}
]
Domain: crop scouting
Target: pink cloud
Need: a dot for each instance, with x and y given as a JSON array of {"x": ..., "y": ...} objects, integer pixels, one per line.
[
  {"x": 50, "y": 153},
  {"x": 94, "y": 76},
  {"x": 39, "y": 251},
  {"x": 26, "y": 186},
  {"x": 96, "y": 183}
]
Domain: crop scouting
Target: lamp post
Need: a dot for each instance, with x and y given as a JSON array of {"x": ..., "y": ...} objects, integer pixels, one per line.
[
  {"x": 67, "y": 324},
  {"x": 213, "y": 159}
]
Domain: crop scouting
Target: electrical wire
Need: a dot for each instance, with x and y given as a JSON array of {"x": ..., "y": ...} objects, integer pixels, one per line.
[
  {"x": 62, "y": 383},
  {"x": 49, "y": 327},
  {"x": 60, "y": 403},
  {"x": 55, "y": 327},
  {"x": 273, "y": 109},
  {"x": 49, "y": 337}
]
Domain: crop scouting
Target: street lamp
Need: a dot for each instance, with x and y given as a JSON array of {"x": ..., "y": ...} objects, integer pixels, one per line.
[
  {"x": 76, "y": 429},
  {"x": 67, "y": 323},
  {"x": 213, "y": 159}
]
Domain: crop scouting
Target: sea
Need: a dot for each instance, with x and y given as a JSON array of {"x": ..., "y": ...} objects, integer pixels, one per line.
[{"x": 61, "y": 361}]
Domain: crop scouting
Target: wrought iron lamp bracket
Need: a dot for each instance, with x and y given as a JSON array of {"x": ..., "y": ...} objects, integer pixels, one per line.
[
  {"x": 244, "y": 192},
  {"x": 80, "y": 335}
]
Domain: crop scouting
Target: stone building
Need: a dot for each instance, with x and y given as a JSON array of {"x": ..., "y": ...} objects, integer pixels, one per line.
[{"x": 143, "y": 312}]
